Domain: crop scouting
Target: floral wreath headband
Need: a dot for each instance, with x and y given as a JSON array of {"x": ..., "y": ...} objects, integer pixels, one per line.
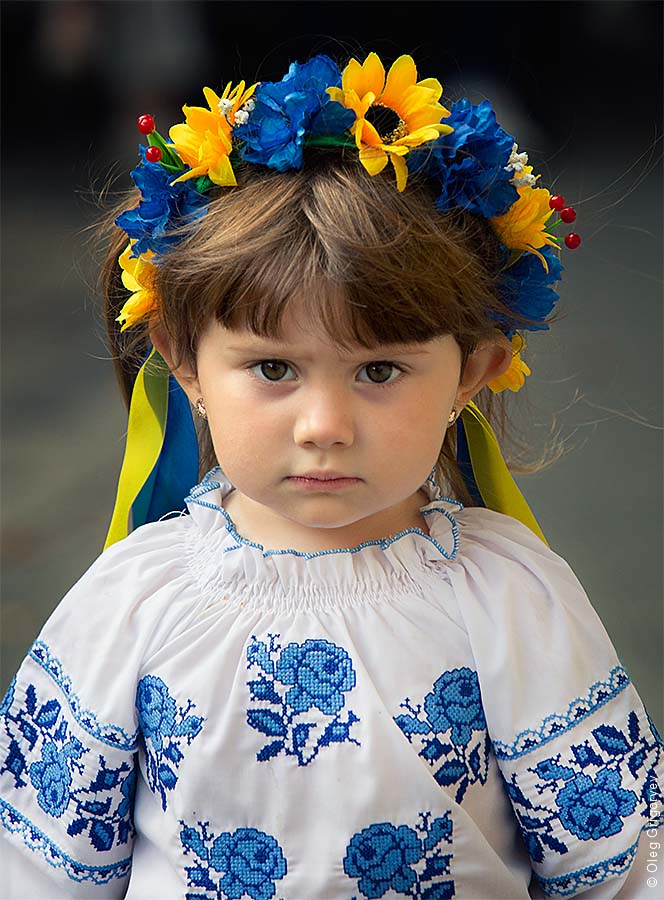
[{"x": 475, "y": 165}]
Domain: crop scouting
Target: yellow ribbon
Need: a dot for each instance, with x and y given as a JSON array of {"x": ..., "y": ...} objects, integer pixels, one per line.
[
  {"x": 493, "y": 478},
  {"x": 145, "y": 437}
]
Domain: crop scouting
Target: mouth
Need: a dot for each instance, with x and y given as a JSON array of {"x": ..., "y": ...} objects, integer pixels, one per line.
[
  {"x": 320, "y": 483},
  {"x": 325, "y": 476}
]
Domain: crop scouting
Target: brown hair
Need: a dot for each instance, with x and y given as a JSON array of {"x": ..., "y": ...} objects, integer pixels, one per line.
[{"x": 404, "y": 272}]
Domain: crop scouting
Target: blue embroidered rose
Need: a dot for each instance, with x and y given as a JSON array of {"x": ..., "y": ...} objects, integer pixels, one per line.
[
  {"x": 469, "y": 164},
  {"x": 380, "y": 856},
  {"x": 287, "y": 110},
  {"x": 525, "y": 287},
  {"x": 593, "y": 809},
  {"x": 156, "y": 709},
  {"x": 52, "y": 777},
  {"x": 128, "y": 788},
  {"x": 455, "y": 703},
  {"x": 162, "y": 207},
  {"x": 251, "y": 861},
  {"x": 320, "y": 671}
]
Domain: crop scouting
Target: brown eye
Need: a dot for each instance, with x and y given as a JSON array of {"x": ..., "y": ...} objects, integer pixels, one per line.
[
  {"x": 379, "y": 372},
  {"x": 271, "y": 369}
]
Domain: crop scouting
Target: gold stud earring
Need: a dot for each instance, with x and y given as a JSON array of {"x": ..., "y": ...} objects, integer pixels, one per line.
[
  {"x": 452, "y": 416},
  {"x": 200, "y": 408}
]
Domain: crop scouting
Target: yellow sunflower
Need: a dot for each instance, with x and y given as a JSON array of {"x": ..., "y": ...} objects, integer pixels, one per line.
[
  {"x": 392, "y": 114},
  {"x": 522, "y": 227},
  {"x": 138, "y": 277},
  {"x": 514, "y": 378},
  {"x": 204, "y": 140}
]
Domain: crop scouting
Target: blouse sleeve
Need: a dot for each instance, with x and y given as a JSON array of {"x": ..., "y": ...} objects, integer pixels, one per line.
[
  {"x": 581, "y": 760},
  {"x": 69, "y": 730}
]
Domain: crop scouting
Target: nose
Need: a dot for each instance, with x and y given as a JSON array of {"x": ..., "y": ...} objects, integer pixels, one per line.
[{"x": 324, "y": 417}]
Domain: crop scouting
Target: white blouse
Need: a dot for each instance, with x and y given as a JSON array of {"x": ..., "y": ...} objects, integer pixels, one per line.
[{"x": 428, "y": 716}]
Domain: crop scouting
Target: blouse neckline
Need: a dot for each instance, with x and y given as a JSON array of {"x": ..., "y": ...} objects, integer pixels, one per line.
[{"x": 442, "y": 542}]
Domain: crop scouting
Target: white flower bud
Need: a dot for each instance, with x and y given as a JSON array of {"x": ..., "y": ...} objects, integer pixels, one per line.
[
  {"x": 517, "y": 160},
  {"x": 225, "y": 106},
  {"x": 524, "y": 181},
  {"x": 241, "y": 117}
]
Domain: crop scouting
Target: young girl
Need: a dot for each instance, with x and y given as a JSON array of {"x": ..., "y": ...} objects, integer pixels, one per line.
[{"x": 351, "y": 667}]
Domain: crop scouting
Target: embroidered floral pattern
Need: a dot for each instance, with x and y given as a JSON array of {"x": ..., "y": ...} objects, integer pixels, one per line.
[
  {"x": 584, "y": 793},
  {"x": 110, "y": 734},
  {"x": 454, "y": 706},
  {"x": 164, "y": 726},
  {"x": 46, "y": 756},
  {"x": 557, "y": 723},
  {"x": 40, "y": 843},
  {"x": 317, "y": 674},
  {"x": 405, "y": 860},
  {"x": 244, "y": 863}
]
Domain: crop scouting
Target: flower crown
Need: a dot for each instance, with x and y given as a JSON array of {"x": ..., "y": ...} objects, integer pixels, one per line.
[{"x": 474, "y": 163}]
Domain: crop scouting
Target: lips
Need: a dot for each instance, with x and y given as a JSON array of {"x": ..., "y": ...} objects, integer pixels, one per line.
[{"x": 322, "y": 476}]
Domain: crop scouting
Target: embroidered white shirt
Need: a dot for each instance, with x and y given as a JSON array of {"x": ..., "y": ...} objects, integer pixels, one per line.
[{"x": 428, "y": 716}]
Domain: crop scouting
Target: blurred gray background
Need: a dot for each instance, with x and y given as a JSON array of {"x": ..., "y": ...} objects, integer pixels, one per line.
[{"x": 579, "y": 83}]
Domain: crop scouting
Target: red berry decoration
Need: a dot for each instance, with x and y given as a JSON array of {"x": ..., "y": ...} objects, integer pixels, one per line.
[
  {"x": 153, "y": 154},
  {"x": 568, "y": 214},
  {"x": 146, "y": 124},
  {"x": 556, "y": 202},
  {"x": 572, "y": 240}
]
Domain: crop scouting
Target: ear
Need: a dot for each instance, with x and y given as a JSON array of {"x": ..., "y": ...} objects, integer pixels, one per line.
[
  {"x": 489, "y": 360},
  {"x": 184, "y": 374}
]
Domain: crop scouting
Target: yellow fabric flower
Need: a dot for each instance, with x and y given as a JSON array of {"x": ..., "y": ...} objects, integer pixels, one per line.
[
  {"x": 392, "y": 114},
  {"x": 514, "y": 378},
  {"x": 522, "y": 227},
  {"x": 138, "y": 277},
  {"x": 204, "y": 140}
]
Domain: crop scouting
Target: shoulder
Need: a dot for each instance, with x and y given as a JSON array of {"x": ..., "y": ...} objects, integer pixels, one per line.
[
  {"x": 493, "y": 545},
  {"x": 137, "y": 590},
  {"x": 537, "y": 641}
]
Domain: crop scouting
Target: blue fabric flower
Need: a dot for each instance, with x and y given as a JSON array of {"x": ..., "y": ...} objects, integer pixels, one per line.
[
  {"x": 380, "y": 856},
  {"x": 52, "y": 777},
  {"x": 252, "y": 861},
  {"x": 593, "y": 809},
  {"x": 455, "y": 703},
  {"x": 156, "y": 709},
  {"x": 319, "y": 671},
  {"x": 469, "y": 163},
  {"x": 163, "y": 206},
  {"x": 525, "y": 287},
  {"x": 287, "y": 110}
]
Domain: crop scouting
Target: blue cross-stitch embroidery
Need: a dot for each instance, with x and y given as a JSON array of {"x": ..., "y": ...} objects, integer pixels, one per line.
[
  {"x": 102, "y": 808},
  {"x": 406, "y": 860},
  {"x": 317, "y": 674},
  {"x": 164, "y": 725},
  {"x": 106, "y": 732},
  {"x": 585, "y": 793},
  {"x": 38, "y": 842},
  {"x": 573, "y": 883},
  {"x": 244, "y": 863},
  {"x": 455, "y": 706},
  {"x": 599, "y": 694}
]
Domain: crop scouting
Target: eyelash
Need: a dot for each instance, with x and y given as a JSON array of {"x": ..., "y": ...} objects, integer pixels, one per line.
[{"x": 382, "y": 362}]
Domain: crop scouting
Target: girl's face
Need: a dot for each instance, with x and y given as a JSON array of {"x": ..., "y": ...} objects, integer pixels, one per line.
[{"x": 282, "y": 409}]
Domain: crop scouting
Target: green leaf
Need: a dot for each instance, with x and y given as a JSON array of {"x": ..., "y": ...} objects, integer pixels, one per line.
[{"x": 169, "y": 157}]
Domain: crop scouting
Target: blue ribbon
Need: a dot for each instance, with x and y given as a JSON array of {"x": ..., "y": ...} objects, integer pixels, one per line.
[{"x": 176, "y": 469}]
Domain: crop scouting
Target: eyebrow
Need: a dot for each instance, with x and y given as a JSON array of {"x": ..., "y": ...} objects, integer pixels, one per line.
[{"x": 282, "y": 350}]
